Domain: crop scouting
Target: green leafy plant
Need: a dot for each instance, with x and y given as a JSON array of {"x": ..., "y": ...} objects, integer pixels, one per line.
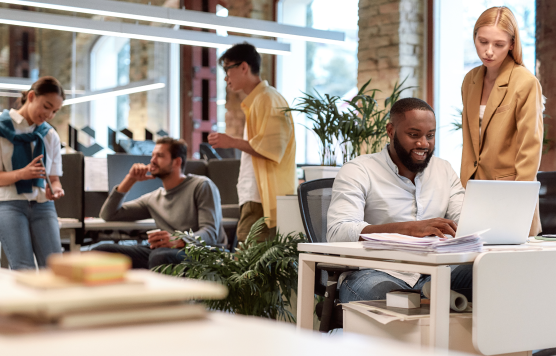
[
  {"x": 260, "y": 276},
  {"x": 361, "y": 127},
  {"x": 323, "y": 112},
  {"x": 364, "y": 126}
]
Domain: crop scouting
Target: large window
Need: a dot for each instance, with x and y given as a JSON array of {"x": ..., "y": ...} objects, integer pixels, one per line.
[
  {"x": 326, "y": 68},
  {"x": 455, "y": 55},
  {"x": 88, "y": 64}
]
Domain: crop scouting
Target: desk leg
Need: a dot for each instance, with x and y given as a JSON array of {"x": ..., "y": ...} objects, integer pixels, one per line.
[
  {"x": 3, "y": 259},
  {"x": 305, "y": 293},
  {"x": 73, "y": 246},
  {"x": 440, "y": 308}
]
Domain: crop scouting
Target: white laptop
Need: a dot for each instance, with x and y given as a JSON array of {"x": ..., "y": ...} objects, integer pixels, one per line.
[{"x": 504, "y": 207}]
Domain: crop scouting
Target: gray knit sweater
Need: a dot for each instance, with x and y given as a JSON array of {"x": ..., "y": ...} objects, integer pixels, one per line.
[{"x": 193, "y": 204}]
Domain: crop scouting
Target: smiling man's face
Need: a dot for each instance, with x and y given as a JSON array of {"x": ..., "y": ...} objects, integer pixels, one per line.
[{"x": 413, "y": 138}]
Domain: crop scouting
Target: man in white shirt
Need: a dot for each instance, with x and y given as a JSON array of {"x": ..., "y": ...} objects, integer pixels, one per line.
[{"x": 403, "y": 189}]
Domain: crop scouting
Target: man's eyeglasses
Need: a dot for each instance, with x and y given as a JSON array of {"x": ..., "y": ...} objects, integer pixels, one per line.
[{"x": 227, "y": 68}]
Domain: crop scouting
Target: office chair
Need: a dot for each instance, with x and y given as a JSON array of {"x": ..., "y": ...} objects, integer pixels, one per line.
[{"x": 314, "y": 199}]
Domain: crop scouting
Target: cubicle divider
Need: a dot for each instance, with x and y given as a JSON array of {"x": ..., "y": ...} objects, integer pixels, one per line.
[{"x": 72, "y": 204}]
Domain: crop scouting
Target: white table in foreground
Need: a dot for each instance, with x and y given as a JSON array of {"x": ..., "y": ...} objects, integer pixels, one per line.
[
  {"x": 219, "y": 334},
  {"x": 487, "y": 289}
]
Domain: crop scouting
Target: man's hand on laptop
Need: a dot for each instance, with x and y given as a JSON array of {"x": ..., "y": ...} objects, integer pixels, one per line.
[
  {"x": 164, "y": 239},
  {"x": 438, "y": 227}
]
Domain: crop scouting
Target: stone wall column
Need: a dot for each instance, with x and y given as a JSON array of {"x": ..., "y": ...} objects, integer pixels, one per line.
[
  {"x": 391, "y": 45},
  {"x": 546, "y": 72}
]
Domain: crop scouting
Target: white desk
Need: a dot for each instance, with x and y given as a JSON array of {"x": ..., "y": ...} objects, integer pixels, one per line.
[
  {"x": 219, "y": 334},
  {"x": 353, "y": 254},
  {"x": 97, "y": 224}
]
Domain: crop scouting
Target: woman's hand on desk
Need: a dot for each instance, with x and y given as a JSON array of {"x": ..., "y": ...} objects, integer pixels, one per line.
[{"x": 164, "y": 239}]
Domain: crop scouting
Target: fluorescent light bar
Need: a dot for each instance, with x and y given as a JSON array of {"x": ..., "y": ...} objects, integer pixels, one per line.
[
  {"x": 10, "y": 94},
  {"x": 188, "y": 18},
  {"x": 114, "y": 92},
  {"x": 14, "y": 83},
  {"x": 142, "y": 32}
]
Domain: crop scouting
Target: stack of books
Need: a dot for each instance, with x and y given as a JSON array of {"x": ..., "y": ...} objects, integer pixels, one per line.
[
  {"x": 95, "y": 289},
  {"x": 423, "y": 245}
]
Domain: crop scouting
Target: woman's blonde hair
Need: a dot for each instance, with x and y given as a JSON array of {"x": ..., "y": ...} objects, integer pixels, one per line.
[{"x": 503, "y": 18}]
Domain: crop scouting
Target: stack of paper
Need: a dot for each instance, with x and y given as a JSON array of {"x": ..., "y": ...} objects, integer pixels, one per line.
[{"x": 469, "y": 243}]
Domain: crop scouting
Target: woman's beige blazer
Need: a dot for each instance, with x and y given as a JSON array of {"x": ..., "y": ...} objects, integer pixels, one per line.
[{"x": 509, "y": 146}]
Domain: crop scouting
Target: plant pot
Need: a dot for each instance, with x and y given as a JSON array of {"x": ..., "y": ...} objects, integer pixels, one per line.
[{"x": 319, "y": 172}]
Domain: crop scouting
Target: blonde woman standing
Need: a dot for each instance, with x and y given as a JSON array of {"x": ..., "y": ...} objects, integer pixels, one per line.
[{"x": 502, "y": 108}]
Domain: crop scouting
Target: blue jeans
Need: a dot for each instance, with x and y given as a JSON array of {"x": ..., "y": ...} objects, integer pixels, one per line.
[
  {"x": 370, "y": 284},
  {"x": 143, "y": 257},
  {"x": 28, "y": 227}
]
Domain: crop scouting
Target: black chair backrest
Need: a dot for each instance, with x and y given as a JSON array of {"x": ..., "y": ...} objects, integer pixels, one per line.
[
  {"x": 547, "y": 201},
  {"x": 224, "y": 173},
  {"x": 314, "y": 199},
  {"x": 197, "y": 167},
  {"x": 71, "y": 205}
]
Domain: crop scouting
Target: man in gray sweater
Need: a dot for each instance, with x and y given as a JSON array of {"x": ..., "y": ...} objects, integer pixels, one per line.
[{"x": 187, "y": 202}]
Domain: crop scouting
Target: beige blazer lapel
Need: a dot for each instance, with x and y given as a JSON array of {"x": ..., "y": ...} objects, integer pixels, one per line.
[
  {"x": 473, "y": 106},
  {"x": 498, "y": 93}
]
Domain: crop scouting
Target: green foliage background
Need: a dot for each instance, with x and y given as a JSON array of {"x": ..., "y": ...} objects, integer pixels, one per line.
[
  {"x": 361, "y": 126},
  {"x": 260, "y": 276}
]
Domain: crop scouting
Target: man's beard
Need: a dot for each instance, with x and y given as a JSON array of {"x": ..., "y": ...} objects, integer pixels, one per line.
[
  {"x": 161, "y": 173},
  {"x": 406, "y": 159}
]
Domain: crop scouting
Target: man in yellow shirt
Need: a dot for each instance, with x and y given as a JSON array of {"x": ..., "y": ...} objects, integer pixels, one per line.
[{"x": 268, "y": 145}]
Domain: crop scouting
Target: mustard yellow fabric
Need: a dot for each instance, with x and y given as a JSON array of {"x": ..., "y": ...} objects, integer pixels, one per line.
[
  {"x": 510, "y": 143},
  {"x": 271, "y": 134}
]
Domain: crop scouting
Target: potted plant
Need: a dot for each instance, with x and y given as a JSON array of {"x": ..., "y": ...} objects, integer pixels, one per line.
[
  {"x": 260, "y": 276},
  {"x": 361, "y": 127}
]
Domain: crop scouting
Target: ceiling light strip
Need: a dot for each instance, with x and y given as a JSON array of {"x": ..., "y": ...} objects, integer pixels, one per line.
[
  {"x": 141, "y": 12},
  {"x": 113, "y": 93},
  {"x": 142, "y": 32}
]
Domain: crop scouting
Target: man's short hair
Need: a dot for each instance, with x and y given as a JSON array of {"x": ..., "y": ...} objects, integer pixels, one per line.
[
  {"x": 243, "y": 52},
  {"x": 178, "y": 148},
  {"x": 404, "y": 105}
]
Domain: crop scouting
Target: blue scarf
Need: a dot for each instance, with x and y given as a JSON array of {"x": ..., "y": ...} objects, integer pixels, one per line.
[{"x": 22, "y": 155}]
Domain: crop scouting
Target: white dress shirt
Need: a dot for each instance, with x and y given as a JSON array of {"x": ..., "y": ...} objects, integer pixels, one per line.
[
  {"x": 247, "y": 187},
  {"x": 369, "y": 190},
  {"x": 53, "y": 160}
]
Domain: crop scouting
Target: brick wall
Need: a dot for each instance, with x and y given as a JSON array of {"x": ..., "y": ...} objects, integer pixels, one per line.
[
  {"x": 546, "y": 72},
  {"x": 391, "y": 39}
]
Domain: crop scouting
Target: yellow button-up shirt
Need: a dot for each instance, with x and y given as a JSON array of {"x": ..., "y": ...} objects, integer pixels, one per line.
[{"x": 271, "y": 134}]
